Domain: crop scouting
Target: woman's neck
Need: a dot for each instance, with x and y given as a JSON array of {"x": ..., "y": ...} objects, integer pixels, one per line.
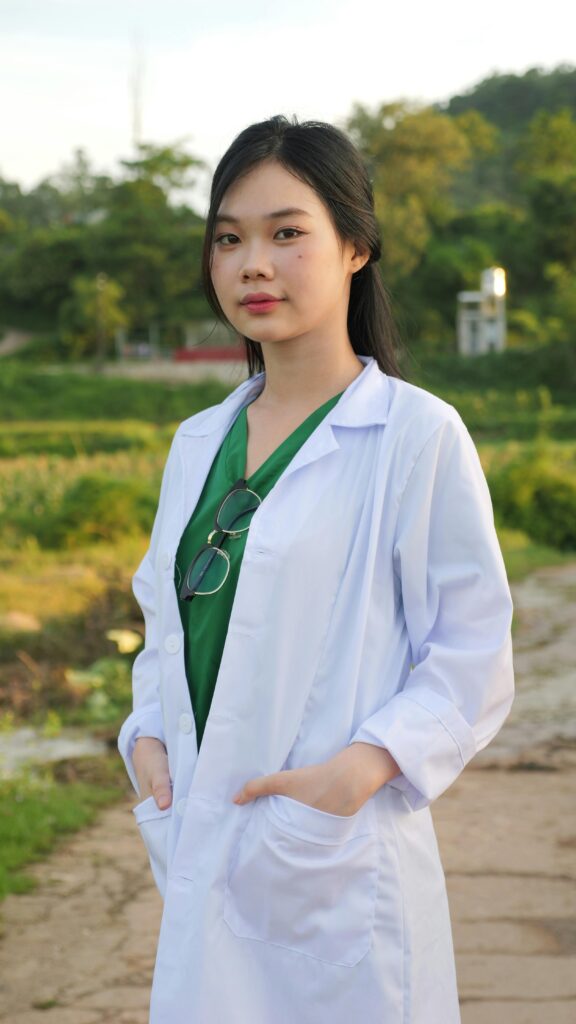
[{"x": 303, "y": 377}]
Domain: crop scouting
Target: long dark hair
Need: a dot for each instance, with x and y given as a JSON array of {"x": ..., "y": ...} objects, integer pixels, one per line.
[{"x": 323, "y": 157}]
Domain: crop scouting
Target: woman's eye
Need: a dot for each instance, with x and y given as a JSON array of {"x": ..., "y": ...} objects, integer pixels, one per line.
[
  {"x": 289, "y": 233},
  {"x": 225, "y": 240}
]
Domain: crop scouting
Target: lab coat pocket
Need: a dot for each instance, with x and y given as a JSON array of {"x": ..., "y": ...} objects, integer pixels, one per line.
[
  {"x": 153, "y": 824},
  {"x": 305, "y": 880}
]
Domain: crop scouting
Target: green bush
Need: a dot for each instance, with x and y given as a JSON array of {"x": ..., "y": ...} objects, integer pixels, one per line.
[
  {"x": 107, "y": 685},
  {"x": 534, "y": 494},
  {"x": 523, "y": 414},
  {"x": 552, "y": 366},
  {"x": 33, "y": 488},
  {"x": 99, "y": 508}
]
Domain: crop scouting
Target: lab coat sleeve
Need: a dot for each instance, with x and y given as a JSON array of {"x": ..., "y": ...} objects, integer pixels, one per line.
[
  {"x": 146, "y": 717},
  {"x": 458, "y": 612}
]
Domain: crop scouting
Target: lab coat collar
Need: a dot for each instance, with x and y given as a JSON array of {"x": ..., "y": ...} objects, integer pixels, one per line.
[{"x": 364, "y": 403}]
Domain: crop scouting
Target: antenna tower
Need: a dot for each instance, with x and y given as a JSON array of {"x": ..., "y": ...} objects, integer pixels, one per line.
[{"x": 136, "y": 88}]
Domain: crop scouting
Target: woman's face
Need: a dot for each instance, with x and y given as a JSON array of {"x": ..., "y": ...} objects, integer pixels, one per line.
[{"x": 279, "y": 269}]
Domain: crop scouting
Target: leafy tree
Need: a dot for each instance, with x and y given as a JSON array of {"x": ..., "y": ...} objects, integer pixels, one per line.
[
  {"x": 479, "y": 180},
  {"x": 73, "y": 195},
  {"x": 548, "y": 148},
  {"x": 90, "y": 317},
  {"x": 12, "y": 200},
  {"x": 562, "y": 301},
  {"x": 510, "y": 101},
  {"x": 38, "y": 266},
  {"x": 7, "y": 225},
  {"x": 412, "y": 153},
  {"x": 82, "y": 192},
  {"x": 127, "y": 228},
  {"x": 167, "y": 167},
  {"x": 552, "y": 208}
]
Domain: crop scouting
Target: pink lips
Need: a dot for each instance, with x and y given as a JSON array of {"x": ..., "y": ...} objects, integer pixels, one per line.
[{"x": 260, "y": 302}]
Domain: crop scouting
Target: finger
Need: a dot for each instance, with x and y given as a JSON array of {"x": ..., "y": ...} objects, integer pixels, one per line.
[
  {"x": 250, "y": 790},
  {"x": 264, "y": 785},
  {"x": 162, "y": 791}
]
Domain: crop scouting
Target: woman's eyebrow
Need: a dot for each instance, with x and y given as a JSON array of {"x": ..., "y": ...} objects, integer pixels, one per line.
[{"x": 289, "y": 211}]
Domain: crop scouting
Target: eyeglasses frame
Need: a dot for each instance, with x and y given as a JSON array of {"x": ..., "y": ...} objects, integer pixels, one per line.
[{"x": 186, "y": 594}]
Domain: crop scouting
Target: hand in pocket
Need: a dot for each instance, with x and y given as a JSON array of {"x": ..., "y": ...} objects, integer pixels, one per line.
[{"x": 151, "y": 766}]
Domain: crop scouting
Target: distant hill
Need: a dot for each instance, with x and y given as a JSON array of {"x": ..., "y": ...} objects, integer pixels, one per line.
[{"x": 510, "y": 101}]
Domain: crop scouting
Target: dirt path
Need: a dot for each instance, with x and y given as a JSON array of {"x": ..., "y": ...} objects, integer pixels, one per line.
[
  {"x": 80, "y": 949},
  {"x": 13, "y": 340}
]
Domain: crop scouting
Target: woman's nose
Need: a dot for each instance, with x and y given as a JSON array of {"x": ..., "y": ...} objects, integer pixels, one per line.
[{"x": 256, "y": 263}]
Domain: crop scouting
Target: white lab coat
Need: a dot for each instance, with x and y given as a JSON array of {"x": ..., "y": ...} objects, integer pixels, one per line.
[{"x": 372, "y": 605}]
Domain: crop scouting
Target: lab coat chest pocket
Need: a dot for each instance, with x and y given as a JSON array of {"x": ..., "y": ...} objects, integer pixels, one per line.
[
  {"x": 305, "y": 880},
  {"x": 153, "y": 824}
]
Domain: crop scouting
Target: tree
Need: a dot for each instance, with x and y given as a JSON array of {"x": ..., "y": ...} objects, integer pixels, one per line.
[
  {"x": 510, "y": 101},
  {"x": 548, "y": 147},
  {"x": 167, "y": 167},
  {"x": 412, "y": 153},
  {"x": 90, "y": 317},
  {"x": 126, "y": 228},
  {"x": 37, "y": 268},
  {"x": 82, "y": 192},
  {"x": 562, "y": 301},
  {"x": 552, "y": 206}
]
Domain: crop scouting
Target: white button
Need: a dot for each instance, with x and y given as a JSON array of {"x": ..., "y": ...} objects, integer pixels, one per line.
[
  {"x": 185, "y": 722},
  {"x": 166, "y": 560},
  {"x": 172, "y": 643},
  {"x": 181, "y": 806}
]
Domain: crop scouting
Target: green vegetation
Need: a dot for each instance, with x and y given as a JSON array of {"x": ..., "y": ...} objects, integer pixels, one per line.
[
  {"x": 83, "y": 247},
  {"x": 537, "y": 495},
  {"x": 486, "y": 178},
  {"x": 43, "y": 806},
  {"x": 28, "y": 393},
  {"x": 507, "y": 374},
  {"x": 523, "y": 556},
  {"x": 76, "y": 438}
]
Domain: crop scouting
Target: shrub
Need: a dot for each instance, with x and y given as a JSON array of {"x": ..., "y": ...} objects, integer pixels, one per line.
[
  {"x": 33, "y": 489},
  {"x": 99, "y": 508},
  {"x": 534, "y": 494},
  {"x": 107, "y": 689}
]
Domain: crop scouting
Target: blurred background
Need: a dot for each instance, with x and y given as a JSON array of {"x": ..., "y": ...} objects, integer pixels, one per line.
[{"x": 113, "y": 118}]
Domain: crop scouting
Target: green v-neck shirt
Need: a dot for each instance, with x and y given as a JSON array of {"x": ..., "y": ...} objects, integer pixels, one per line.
[{"x": 205, "y": 618}]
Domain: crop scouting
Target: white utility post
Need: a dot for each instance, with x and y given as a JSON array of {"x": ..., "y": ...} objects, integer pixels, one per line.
[{"x": 481, "y": 323}]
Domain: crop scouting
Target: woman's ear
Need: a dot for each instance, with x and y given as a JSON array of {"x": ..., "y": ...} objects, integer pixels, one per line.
[{"x": 358, "y": 260}]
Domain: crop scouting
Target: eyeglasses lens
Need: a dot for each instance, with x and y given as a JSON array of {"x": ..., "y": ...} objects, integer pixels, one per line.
[
  {"x": 237, "y": 510},
  {"x": 210, "y": 568},
  {"x": 208, "y": 571}
]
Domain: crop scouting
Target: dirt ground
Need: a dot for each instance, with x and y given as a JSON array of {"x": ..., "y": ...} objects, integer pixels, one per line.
[{"x": 80, "y": 948}]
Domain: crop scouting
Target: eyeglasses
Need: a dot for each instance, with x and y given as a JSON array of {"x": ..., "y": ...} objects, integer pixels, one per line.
[{"x": 209, "y": 568}]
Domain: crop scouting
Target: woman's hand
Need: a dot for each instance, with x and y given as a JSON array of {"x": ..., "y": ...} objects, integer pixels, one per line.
[
  {"x": 150, "y": 762},
  {"x": 340, "y": 785}
]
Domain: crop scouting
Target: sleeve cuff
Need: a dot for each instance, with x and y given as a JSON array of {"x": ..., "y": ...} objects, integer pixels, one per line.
[
  {"x": 428, "y": 739},
  {"x": 146, "y": 721}
]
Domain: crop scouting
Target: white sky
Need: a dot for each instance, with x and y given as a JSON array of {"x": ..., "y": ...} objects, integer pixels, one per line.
[{"x": 210, "y": 69}]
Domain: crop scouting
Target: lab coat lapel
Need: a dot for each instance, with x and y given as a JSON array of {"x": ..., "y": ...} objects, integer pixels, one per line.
[
  {"x": 364, "y": 404},
  {"x": 201, "y": 437}
]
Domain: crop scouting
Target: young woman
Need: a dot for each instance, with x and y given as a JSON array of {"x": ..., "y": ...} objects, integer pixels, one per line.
[{"x": 327, "y": 628}]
